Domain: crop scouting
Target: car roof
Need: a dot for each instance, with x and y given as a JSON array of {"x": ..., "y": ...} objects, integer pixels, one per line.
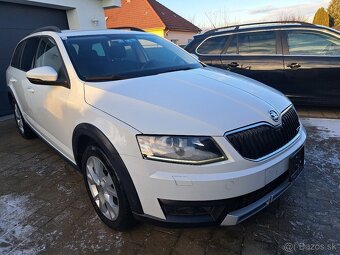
[
  {"x": 71, "y": 33},
  {"x": 263, "y": 26}
]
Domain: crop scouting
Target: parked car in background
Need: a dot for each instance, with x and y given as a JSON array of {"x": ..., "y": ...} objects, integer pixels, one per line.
[
  {"x": 157, "y": 135},
  {"x": 301, "y": 60}
]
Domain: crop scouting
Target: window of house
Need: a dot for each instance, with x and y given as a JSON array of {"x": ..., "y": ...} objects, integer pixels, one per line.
[
  {"x": 175, "y": 41},
  {"x": 258, "y": 43},
  {"x": 312, "y": 43}
]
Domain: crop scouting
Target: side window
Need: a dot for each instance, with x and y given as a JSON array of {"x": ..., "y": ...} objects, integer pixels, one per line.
[
  {"x": 257, "y": 43},
  {"x": 312, "y": 43},
  {"x": 232, "y": 48},
  {"x": 16, "y": 59},
  {"x": 48, "y": 55},
  {"x": 213, "y": 45},
  {"x": 28, "y": 54}
]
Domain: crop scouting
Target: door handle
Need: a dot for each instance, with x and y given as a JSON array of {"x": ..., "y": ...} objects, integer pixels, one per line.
[
  {"x": 12, "y": 80},
  {"x": 233, "y": 64},
  {"x": 31, "y": 90},
  {"x": 294, "y": 65}
]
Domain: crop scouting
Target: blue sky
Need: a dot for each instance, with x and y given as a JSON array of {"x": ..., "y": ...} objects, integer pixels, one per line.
[{"x": 205, "y": 12}]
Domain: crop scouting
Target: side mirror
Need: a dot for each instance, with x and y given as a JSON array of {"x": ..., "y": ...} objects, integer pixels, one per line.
[{"x": 43, "y": 75}]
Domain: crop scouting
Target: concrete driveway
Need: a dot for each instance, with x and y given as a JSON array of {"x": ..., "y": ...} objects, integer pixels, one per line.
[{"x": 44, "y": 208}]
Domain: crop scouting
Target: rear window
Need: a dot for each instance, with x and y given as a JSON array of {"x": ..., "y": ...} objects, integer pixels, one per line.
[
  {"x": 260, "y": 43},
  {"x": 28, "y": 54},
  {"x": 213, "y": 45}
]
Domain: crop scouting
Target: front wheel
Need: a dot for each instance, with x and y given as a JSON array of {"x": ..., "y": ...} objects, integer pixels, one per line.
[
  {"x": 24, "y": 130},
  {"x": 104, "y": 189}
]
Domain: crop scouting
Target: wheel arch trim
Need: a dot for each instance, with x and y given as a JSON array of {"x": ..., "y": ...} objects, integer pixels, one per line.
[{"x": 89, "y": 130}]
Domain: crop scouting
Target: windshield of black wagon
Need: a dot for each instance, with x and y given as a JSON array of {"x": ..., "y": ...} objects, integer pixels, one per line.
[{"x": 102, "y": 57}]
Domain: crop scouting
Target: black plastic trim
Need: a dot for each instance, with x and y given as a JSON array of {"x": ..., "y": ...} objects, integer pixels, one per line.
[
  {"x": 224, "y": 206},
  {"x": 123, "y": 174},
  {"x": 46, "y": 29}
]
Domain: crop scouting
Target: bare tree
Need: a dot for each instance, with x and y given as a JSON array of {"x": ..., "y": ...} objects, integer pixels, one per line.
[
  {"x": 217, "y": 18},
  {"x": 292, "y": 17}
]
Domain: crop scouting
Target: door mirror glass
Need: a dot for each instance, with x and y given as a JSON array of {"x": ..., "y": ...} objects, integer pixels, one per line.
[{"x": 43, "y": 75}]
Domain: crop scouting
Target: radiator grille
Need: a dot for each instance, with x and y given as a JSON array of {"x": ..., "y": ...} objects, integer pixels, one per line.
[{"x": 257, "y": 142}]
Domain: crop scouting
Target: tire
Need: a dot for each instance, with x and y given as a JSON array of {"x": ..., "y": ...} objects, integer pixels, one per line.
[
  {"x": 104, "y": 189},
  {"x": 23, "y": 128}
]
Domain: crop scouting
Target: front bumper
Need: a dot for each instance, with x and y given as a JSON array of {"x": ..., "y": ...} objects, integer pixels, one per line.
[
  {"x": 221, "y": 212},
  {"x": 180, "y": 195}
]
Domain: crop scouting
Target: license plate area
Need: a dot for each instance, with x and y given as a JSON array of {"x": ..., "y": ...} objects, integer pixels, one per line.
[{"x": 296, "y": 163}]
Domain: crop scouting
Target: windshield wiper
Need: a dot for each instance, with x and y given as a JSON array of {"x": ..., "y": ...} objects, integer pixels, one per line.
[
  {"x": 106, "y": 78},
  {"x": 176, "y": 69}
]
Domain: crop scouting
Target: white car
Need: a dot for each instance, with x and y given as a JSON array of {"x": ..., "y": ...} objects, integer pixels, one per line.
[{"x": 158, "y": 135}]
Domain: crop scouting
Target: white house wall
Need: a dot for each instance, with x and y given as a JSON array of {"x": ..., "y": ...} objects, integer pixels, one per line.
[{"x": 182, "y": 37}]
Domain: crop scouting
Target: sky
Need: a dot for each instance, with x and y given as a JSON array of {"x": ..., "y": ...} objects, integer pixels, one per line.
[{"x": 204, "y": 13}]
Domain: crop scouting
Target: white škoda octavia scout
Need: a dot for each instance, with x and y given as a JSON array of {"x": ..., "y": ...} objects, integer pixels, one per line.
[{"x": 158, "y": 135}]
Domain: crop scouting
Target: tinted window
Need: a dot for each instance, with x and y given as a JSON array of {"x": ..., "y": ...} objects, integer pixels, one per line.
[
  {"x": 98, "y": 48},
  {"x": 17, "y": 56},
  {"x": 28, "y": 54},
  {"x": 48, "y": 55},
  {"x": 213, "y": 45},
  {"x": 109, "y": 57},
  {"x": 312, "y": 43},
  {"x": 257, "y": 43},
  {"x": 232, "y": 48}
]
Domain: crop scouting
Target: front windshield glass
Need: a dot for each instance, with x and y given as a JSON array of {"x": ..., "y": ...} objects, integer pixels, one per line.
[{"x": 115, "y": 57}]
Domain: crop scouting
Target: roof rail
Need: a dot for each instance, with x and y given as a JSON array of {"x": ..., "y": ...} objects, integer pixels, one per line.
[
  {"x": 129, "y": 28},
  {"x": 259, "y": 23},
  {"x": 49, "y": 28}
]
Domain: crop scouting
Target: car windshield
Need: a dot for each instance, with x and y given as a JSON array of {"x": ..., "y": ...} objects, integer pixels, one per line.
[{"x": 115, "y": 57}]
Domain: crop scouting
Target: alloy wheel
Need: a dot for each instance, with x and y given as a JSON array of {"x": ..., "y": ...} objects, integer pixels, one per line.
[
  {"x": 18, "y": 118},
  {"x": 102, "y": 188}
]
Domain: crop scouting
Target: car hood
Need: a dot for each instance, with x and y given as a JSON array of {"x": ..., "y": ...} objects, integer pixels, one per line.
[{"x": 200, "y": 101}]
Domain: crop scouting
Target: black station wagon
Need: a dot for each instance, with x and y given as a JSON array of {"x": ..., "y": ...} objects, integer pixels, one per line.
[{"x": 301, "y": 60}]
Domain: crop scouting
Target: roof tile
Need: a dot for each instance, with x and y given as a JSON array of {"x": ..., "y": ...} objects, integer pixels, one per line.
[{"x": 147, "y": 14}]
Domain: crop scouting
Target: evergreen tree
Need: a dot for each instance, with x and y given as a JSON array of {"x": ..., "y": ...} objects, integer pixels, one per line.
[
  {"x": 321, "y": 17},
  {"x": 334, "y": 13}
]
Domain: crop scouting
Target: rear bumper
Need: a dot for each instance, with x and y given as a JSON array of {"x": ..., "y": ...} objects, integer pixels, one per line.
[{"x": 221, "y": 212}]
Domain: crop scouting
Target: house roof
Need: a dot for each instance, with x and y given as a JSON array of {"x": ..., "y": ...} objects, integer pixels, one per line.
[{"x": 146, "y": 14}]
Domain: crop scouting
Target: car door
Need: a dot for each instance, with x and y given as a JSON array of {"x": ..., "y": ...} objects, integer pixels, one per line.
[
  {"x": 22, "y": 62},
  {"x": 50, "y": 102},
  {"x": 257, "y": 55},
  {"x": 312, "y": 66}
]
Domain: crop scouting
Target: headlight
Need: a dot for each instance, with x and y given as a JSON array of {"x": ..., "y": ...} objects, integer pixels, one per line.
[{"x": 180, "y": 149}]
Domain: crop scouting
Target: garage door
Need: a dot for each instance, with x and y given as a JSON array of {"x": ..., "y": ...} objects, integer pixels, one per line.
[{"x": 17, "y": 21}]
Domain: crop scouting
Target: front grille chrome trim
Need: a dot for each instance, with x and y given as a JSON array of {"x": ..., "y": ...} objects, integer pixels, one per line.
[{"x": 284, "y": 147}]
